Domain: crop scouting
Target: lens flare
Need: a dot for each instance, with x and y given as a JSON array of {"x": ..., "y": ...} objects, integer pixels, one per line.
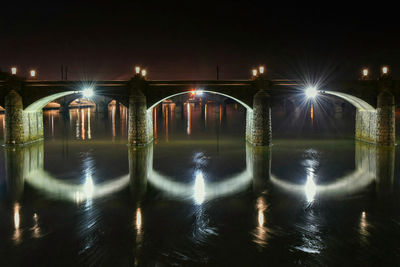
[
  {"x": 311, "y": 92},
  {"x": 88, "y": 92}
]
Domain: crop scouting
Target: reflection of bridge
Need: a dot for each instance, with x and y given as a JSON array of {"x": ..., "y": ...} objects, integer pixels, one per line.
[
  {"x": 373, "y": 164},
  {"x": 24, "y": 100}
]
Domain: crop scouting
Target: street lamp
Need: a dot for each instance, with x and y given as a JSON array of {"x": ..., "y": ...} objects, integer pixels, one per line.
[
  {"x": 14, "y": 71},
  {"x": 254, "y": 72},
  {"x": 385, "y": 70},
  {"x": 261, "y": 69},
  {"x": 137, "y": 70},
  {"x": 144, "y": 73},
  {"x": 365, "y": 72},
  {"x": 33, "y": 73}
]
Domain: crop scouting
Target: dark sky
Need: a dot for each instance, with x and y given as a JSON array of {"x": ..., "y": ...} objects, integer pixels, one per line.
[{"x": 186, "y": 40}]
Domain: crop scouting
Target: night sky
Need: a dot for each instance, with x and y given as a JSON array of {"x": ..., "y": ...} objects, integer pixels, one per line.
[{"x": 187, "y": 40}]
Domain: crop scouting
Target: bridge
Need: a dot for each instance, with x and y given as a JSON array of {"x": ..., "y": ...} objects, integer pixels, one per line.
[{"x": 24, "y": 99}]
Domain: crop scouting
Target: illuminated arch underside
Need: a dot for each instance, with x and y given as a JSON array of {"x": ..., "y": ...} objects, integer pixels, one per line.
[
  {"x": 41, "y": 103},
  {"x": 204, "y": 91},
  {"x": 355, "y": 101},
  {"x": 346, "y": 185}
]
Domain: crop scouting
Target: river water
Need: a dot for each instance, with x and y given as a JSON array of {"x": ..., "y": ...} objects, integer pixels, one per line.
[{"x": 199, "y": 195}]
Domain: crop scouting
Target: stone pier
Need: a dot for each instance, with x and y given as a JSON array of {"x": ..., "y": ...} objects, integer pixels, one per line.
[
  {"x": 258, "y": 122},
  {"x": 377, "y": 126},
  {"x": 140, "y": 131},
  {"x": 21, "y": 127},
  {"x": 385, "y": 119}
]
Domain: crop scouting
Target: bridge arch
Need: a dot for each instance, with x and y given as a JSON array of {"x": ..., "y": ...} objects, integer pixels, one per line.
[
  {"x": 203, "y": 91},
  {"x": 373, "y": 125},
  {"x": 358, "y": 103},
  {"x": 38, "y": 105}
]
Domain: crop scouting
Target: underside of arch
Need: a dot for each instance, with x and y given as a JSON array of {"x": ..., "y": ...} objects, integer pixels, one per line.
[
  {"x": 203, "y": 91},
  {"x": 355, "y": 101},
  {"x": 41, "y": 103}
]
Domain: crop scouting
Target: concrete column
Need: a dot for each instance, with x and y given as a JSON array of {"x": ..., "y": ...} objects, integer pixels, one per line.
[
  {"x": 261, "y": 131},
  {"x": 140, "y": 131},
  {"x": 102, "y": 107},
  {"x": 64, "y": 106},
  {"x": 14, "y": 132},
  {"x": 385, "y": 119}
]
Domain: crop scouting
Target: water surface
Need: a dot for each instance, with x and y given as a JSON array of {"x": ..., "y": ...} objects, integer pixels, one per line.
[{"x": 199, "y": 195}]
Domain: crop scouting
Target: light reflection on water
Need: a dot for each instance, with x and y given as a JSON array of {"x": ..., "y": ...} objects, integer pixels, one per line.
[{"x": 198, "y": 195}]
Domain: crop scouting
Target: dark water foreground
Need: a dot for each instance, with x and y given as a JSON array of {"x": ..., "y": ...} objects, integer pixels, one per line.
[{"x": 199, "y": 195}]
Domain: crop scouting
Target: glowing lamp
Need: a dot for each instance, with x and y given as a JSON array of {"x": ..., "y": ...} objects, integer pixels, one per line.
[
  {"x": 33, "y": 73},
  {"x": 261, "y": 69},
  {"x": 144, "y": 73},
  {"x": 385, "y": 70},
  {"x": 311, "y": 92},
  {"x": 88, "y": 92},
  {"x": 14, "y": 71},
  {"x": 254, "y": 72},
  {"x": 137, "y": 70},
  {"x": 365, "y": 72},
  {"x": 199, "y": 92}
]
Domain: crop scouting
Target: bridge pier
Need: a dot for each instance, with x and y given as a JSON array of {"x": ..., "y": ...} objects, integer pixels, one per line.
[
  {"x": 64, "y": 106},
  {"x": 377, "y": 126},
  {"x": 140, "y": 131},
  {"x": 385, "y": 115},
  {"x": 21, "y": 127},
  {"x": 258, "y": 122}
]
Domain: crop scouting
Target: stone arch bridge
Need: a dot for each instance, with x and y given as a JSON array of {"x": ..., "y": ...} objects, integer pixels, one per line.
[{"x": 24, "y": 100}]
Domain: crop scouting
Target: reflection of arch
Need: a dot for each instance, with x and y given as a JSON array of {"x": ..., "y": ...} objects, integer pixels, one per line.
[
  {"x": 26, "y": 164},
  {"x": 200, "y": 190},
  {"x": 203, "y": 91},
  {"x": 44, "y": 181},
  {"x": 370, "y": 165}
]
